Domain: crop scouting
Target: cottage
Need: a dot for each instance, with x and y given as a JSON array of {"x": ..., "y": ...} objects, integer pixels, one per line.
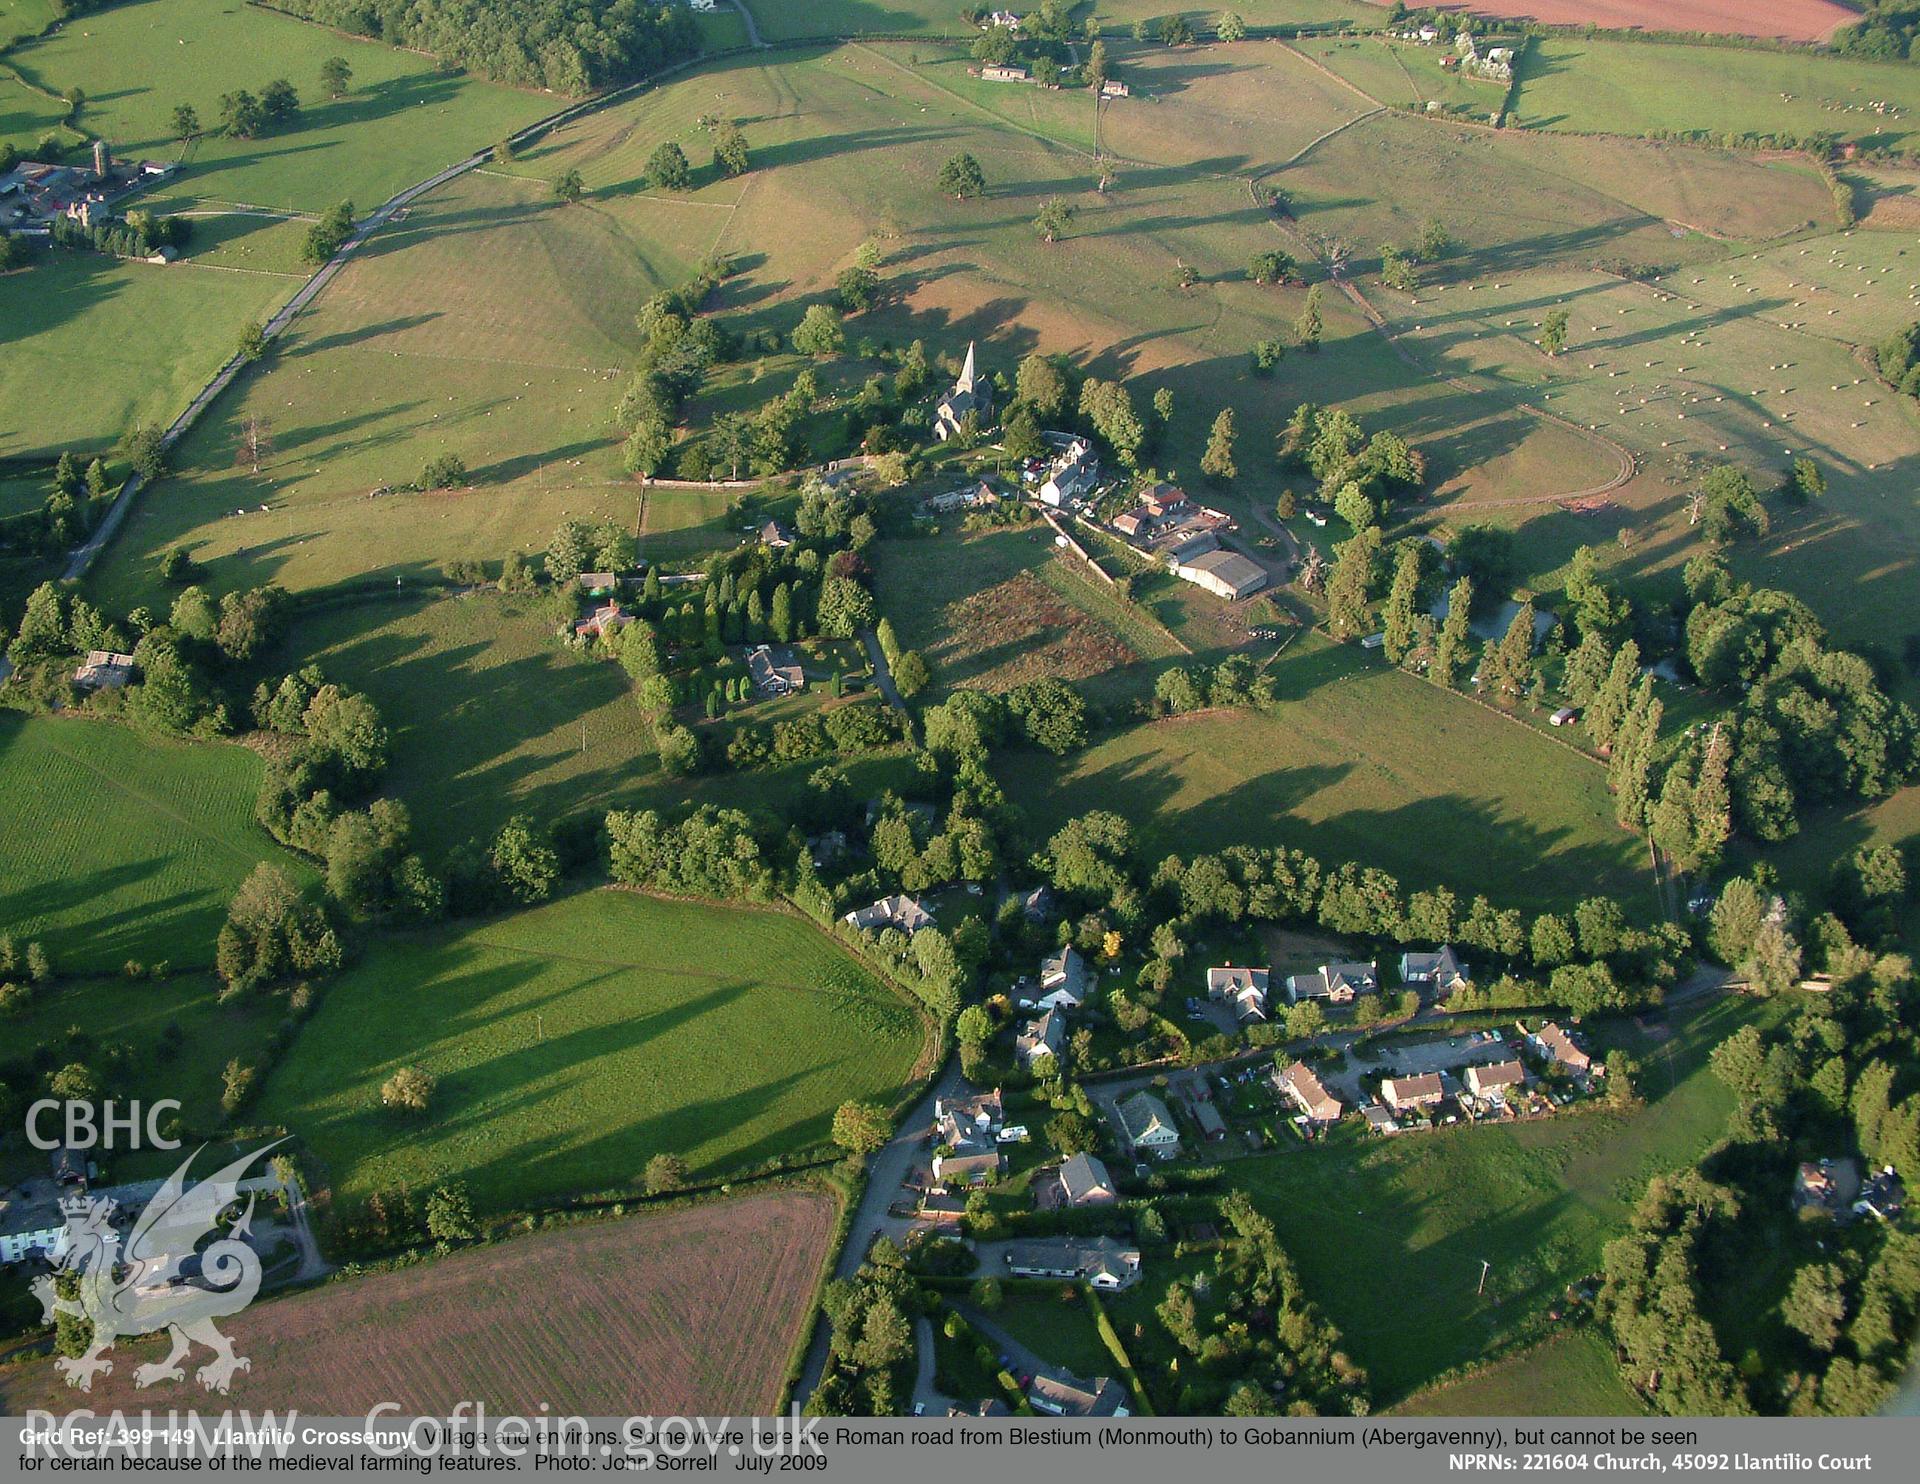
[
  {"x": 1065, "y": 1396},
  {"x": 775, "y": 673},
  {"x": 1147, "y": 1127},
  {"x": 1338, "y": 984},
  {"x": 1243, "y": 988},
  {"x": 1304, "y": 1089},
  {"x": 1102, "y": 1261},
  {"x": 1494, "y": 1082},
  {"x": 1556, "y": 1045},
  {"x": 901, "y": 912},
  {"x": 1037, "y": 1048},
  {"x": 1114, "y": 88},
  {"x": 1225, "y": 574},
  {"x": 1063, "y": 980},
  {"x": 775, "y": 537},
  {"x": 1441, "y": 971},
  {"x": 1410, "y": 1094},
  {"x": 1080, "y": 1182},
  {"x": 603, "y": 623},
  {"x": 104, "y": 670},
  {"x": 1073, "y": 470},
  {"x": 1005, "y": 19},
  {"x": 969, "y": 1128},
  {"x": 971, "y": 395}
]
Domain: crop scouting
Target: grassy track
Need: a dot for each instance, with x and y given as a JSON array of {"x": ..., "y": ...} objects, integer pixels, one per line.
[
  {"x": 1361, "y": 762},
  {"x": 123, "y": 847},
  {"x": 574, "y": 1042}
]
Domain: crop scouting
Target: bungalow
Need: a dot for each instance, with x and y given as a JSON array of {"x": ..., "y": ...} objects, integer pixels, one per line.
[
  {"x": 1556, "y": 1045},
  {"x": 1083, "y": 1181},
  {"x": 1039, "y": 1043},
  {"x": 1102, "y": 1261},
  {"x": 901, "y": 912},
  {"x": 970, "y": 394},
  {"x": 1243, "y": 988},
  {"x": 104, "y": 670},
  {"x": 775, "y": 674},
  {"x": 604, "y": 622},
  {"x": 1225, "y": 574},
  {"x": 1063, "y": 980},
  {"x": 967, "y": 497},
  {"x": 1147, "y": 1127},
  {"x": 1409, "y": 1094},
  {"x": 775, "y": 537},
  {"x": 1064, "y": 1396},
  {"x": 1441, "y": 971},
  {"x": 1336, "y": 983},
  {"x": 1494, "y": 1082},
  {"x": 1304, "y": 1088}
]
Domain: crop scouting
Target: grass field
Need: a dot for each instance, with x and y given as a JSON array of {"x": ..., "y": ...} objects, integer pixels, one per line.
[
  {"x": 20, "y": 18},
  {"x": 1571, "y": 1375},
  {"x": 787, "y": 19},
  {"x": 693, "y": 1311},
  {"x": 1623, "y": 87},
  {"x": 1361, "y": 762},
  {"x": 26, "y": 116},
  {"x": 574, "y": 1042},
  {"x": 487, "y": 710},
  {"x": 122, "y": 846},
  {"x": 1537, "y": 1201}
]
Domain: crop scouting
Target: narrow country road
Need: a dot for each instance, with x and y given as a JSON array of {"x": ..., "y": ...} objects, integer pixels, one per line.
[
  {"x": 886, "y": 1173},
  {"x": 753, "y": 27}
]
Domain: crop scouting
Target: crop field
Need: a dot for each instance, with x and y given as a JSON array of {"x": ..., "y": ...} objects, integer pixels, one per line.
[
  {"x": 1537, "y": 1201},
  {"x": 1787, "y": 20},
  {"x": 1361, "y": 762},
  {"x": 153, "y": 885},
  {"x": 692, "y": 1312},
  {"x": 400, "y": 121},
  {"x": 1628, "y": 87},
  {"x": 1570, "y": 1375},
  {"x": 141, "y": 339},
  {"x": 573, "y": 1042},
  {"x": 488, "y": 711}
]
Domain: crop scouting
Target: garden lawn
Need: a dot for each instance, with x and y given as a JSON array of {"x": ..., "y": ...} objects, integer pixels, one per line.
[
  {"x": 1360, "y": 762},
  {"x": 1060, "y": 1330},
  {"x": 122, "y": 846},
  {"x": 573, "y": 1042},
  {"x": 1536, "y": 1201}
]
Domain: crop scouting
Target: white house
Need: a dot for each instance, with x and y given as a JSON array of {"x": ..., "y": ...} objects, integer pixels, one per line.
[
  {"x": 1147, "y": 1126},
  {"x": 901, "y": 912},
  {"x": 1063, "y": 980},
  {"x": 1338, "y": 984}
]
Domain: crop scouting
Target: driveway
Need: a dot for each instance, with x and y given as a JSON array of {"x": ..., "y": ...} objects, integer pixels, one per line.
[
  {"x": 927, "y": 1402},
  {"x": 882, "y": 676}
]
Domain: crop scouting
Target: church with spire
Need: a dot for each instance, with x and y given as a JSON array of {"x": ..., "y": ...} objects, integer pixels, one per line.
[{"x": 971, "y": 394}]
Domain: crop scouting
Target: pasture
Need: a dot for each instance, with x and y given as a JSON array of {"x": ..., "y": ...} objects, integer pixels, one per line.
[
  {"x": 1627, "y": 87},
  {"x": 488, "y": 712},
  {"x": 1789, "y": 20},
  {"x": 123, "y": 846},
  {"x": 694, "y": 1311},
  {"x": 1361, "y": 762},
  {"x": 1537, "y": 1201},
  {"x": 1570, "y": 1375},
  {"x": 573, "y": 1042},
  {"x": 782, "y": 20}
]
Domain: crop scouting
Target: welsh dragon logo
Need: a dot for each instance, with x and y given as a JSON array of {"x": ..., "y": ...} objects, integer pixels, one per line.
[{"x": 161, "y": 1279}]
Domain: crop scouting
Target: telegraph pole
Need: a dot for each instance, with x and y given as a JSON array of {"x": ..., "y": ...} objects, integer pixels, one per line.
[{"x": 1484, "y": 1267}]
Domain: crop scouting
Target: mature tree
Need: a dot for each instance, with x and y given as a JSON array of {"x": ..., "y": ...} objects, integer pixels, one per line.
[
  {"x": 962, "y": 178},
  {"x": 1816, "y": 1304},
  {"x": 1040, "y": 383},
  {"x": 665, "y": 1173},
  {"x": 1553, "y": 332},
  {"x": 1350, "y": 588},
  {"x": 856, "y": 289},
  {"x": 1403, "y": 602},
  {"x": 861, "y": 1128},
  {"x": 819, "y": 332},
  {"x": 1450, "y": 652},
  {"x": 1230, "y": 27},
  {"x": 410, "y": 1088},
  {"x": 1054, "y": 219},
  {"x": 450, "y": 1215},
  {"x": 279, "y": 102},
  {"x": 526, "y": 865},
  {"x": 1308, "y": 327},
  {"x": 1271, "y": 267},
  {"x": 186, "y": 122},
  {"x": 911, "y": 674},
  {"x": 569, "y": 187},
  {"x": 1217, "y": 461},
  {"x": 667, "y": 168},
  {"x": 241, "y": 115},
  {"x": 730, "y": 151},
  {"x": 1071, "y": 1133},
  {"x": 1511, "y": 669},
  {"x": 335, "y": 74},
  {"x": 646, "y": 449}
]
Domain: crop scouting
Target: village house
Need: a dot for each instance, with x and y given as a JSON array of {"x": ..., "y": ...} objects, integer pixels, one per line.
[
  {"x": 967, "y": 497},
  {"x": 1440, "y": 971},
  {"x": 1079, "y": 1182},
  {"x": 1063, "y": 980},
  {"x": 775, "y": 537},
  {"x": 775, "y": 674},
  {"x": 1072, "y": 470},
  {"x": 1303, "y": 1087},
  {"x": 1493, "y": 1083},
  {"x": 1338, "y": 984},
  {"x": 969, "y": 1128},
  {"x": 1059, "y": 1396},
  {"x": 1243, "y": 988},
  {"x": 1147, "y": 1126},
  {"x": 1410, "y": 1094},
  {"x": 1557, "y": 1046},
  {"x": 970, "y": 394},
  {"x": 1114, "y": 88},
  {"x": 901, "y": 912},
  {"x": 1102, "y": 1261},
  {"x": 104, "y": 670},
  {"x": 603, "y": 623},
  {"x": 1037, "y": 1048},
  {"x": 27, "y": 1227},
  {"x": 1005, "y": 19}
]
